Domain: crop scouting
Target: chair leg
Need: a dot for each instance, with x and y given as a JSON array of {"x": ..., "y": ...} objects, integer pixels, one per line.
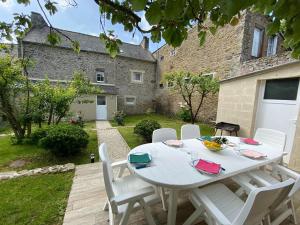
[
  {"x": 240, "y": 192},
  {"x": 293, "y": 217},
  {"x": 163, "y": 197},
  {"x": 192, "y": 219},
  {"x": 125, "y": 216},
  {"x": 147, "y": 212},
  {"x": 111, "y": 217}
]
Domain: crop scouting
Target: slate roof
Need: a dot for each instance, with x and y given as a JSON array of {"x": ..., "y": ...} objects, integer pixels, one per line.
[{"x": 87, "y": 43}]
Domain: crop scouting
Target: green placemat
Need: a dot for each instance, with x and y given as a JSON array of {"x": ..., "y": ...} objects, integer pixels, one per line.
[{"x": 139, "y": 158}]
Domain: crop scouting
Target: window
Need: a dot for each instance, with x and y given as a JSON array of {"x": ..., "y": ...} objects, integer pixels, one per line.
[
  {"x": 212, "y": 75},
  {"x": 100, "y": 78},
  {"x": 101, "y": 100},
  {"x": 272, "y": 45},
  {"x": 130, "y": 100},
  {"x": 137, "y": 76},
  {"x": 162, "y": 58},
  {"x": 282, "y": 89},
  {"x": 257, "y": 42}
]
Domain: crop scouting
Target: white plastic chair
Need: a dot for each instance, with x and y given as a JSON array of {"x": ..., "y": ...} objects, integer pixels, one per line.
[
  {"x": 164, "y": 134},
  {"x": 274, "y": 138},
  {"x": 221, "y": 206},
  {"x": 259, "y": 178},
  {"x": 126, "y": 194},
  {"x": 190, "y": 131}
]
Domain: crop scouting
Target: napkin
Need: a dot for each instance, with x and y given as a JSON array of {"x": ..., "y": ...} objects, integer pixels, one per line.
[
  {"x": 206, "y": 138},
  {"x": 174, "y": 143},
  {"x": 209, "y": 167},
  {"x": 250, "y": 141},
  {"x": 139, "y": 158},
  {"x": 253, "y": 154}
]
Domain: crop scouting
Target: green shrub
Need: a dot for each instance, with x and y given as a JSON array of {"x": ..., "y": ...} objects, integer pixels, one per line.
[
  {"x": 119, "y": 118},
  {"x": 145, "y": 128},
  {"x": 184, "y": 114},
  {"x": 38, "y": 134},
  {"x": 65, "y": 139}
]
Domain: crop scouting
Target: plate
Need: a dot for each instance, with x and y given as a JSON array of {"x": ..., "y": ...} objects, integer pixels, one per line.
[{"x": 253, "y": 154}]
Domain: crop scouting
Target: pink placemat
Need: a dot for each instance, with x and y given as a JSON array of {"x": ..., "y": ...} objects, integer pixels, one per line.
[
  {"x": 250, "y": 141},
  {"x": 253, "y": 154},
  {"x": 208, "y": 167}
]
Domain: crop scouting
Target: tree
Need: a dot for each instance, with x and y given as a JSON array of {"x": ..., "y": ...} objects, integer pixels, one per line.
[
  {"x": 23, "y": 102},
  {"x": 52, "y": 101},
  {"x": 194, "y": 89},
  {"x": 171, "y": 19}
]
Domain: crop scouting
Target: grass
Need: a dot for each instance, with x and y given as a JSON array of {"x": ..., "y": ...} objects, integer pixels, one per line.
[
  {"x": 134, "y": 140},
  {"x": 35, "y": 200},
  {"x": 36, "y": 156}
]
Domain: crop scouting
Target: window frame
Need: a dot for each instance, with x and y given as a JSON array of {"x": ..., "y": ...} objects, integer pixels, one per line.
[
  {"x": 130, "y": 103},
  {"x": 132, "y": 72},
  {"x": 279, "y": 101},
  {"x": 261, "y": 42},
  {"x": 100, "y": 73},
  {"x": 212, "y": 74},
  {"x": 274, "y": 45}
]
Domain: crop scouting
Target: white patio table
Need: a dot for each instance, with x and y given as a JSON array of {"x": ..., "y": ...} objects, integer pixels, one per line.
[{"x": 170, "y": 167}]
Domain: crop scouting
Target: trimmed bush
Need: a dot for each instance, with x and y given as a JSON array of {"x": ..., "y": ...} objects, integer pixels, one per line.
[
  {"x": 38, "y": 134},
  {"x": 145, "y": 128},
  {"x": 65, "y": 139},
  {"x": 185, "y": 115},
  {"x": 119, "y": 118}
]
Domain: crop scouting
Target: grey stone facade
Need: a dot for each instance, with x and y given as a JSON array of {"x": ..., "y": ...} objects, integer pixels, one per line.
[{"x": 59, "y": 63}]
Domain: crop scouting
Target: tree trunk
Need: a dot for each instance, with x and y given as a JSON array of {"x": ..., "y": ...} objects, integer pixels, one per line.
[{"x": 50, "y": 115}]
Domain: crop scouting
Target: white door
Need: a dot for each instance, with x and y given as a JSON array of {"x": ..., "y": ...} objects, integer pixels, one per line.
[
  {"x": 278, "y": 108},
  {"x": 101, "y": 108}
]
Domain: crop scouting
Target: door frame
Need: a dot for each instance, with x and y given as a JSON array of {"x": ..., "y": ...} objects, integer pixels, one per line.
[
  {"x": 97, "y": 107},
  {"x": 261, "y": 100}
]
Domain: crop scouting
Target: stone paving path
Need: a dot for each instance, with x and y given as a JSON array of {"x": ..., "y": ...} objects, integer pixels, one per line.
[
  {"x": 116, "y": 144},
  {"x": 88, "y": 195}
]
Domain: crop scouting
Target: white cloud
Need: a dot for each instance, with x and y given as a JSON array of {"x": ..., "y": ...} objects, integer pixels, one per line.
[
  {"x": 63, "y": 5},
  {"x": 144, "y": 23}
]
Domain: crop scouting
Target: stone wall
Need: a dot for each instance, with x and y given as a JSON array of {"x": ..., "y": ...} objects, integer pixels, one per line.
[
  {"x": 59, "y": 64},
  {"x": 238, "y": 102},
  {"x": 219, "y": 55}
]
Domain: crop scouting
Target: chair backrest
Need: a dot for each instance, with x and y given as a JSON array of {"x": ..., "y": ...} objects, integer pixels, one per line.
[
  {"x": 190, "y": 131},
  {"x": 261, "y": 200},
  {"x": 107, "y": 175},
  {"x": 271, "y": 137},
  {"x": 164, "y": 134},
  {"x": 295, "y": 188}
]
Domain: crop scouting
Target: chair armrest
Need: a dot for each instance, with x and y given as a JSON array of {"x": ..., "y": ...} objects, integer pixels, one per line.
[
  {"x": 244, "y": 182},
  {"x": 288, "y": 172},
  {"x": 117, "y": 164},
  {"x": 133, "y": 196},
  {"x": 213, "y": 210}
]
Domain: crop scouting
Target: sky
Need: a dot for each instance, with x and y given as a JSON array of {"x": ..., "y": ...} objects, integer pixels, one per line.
[{"x": 83, "y": 19}]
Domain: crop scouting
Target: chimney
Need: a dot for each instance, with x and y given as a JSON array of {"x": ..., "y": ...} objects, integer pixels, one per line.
[
  {"x": 37, "y": 20},
  {"x": 145, "y": 43}
]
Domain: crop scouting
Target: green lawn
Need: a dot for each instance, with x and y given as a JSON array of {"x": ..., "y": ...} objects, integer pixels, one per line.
[
  {"x": 134, "y": 140},
  {"x": 35, "y": 200},
  {"x": 38, "y": 157}
]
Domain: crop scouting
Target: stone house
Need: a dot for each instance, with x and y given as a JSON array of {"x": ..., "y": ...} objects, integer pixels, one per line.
[
  {"x": 127, "y": 82},
  {"x": 220, "y": 57}
]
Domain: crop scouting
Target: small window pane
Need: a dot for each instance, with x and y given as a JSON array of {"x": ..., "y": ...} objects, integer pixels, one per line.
[
  {"x": 100, "y": 77},
  {"x": 282, "y": 89},
  {"x": 272, "y": 46},
  {"x": 101, "y": 100},
  {"x": 137, "y": 76}
]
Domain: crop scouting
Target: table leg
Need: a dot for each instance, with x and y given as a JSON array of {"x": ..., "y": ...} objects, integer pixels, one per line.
[{"x": 172, "y": 208}]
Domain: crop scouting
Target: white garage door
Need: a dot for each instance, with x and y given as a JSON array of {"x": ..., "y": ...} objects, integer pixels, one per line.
[
  {"x": 278, "y": 107},
  {"x": 101, "y": 108}
]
